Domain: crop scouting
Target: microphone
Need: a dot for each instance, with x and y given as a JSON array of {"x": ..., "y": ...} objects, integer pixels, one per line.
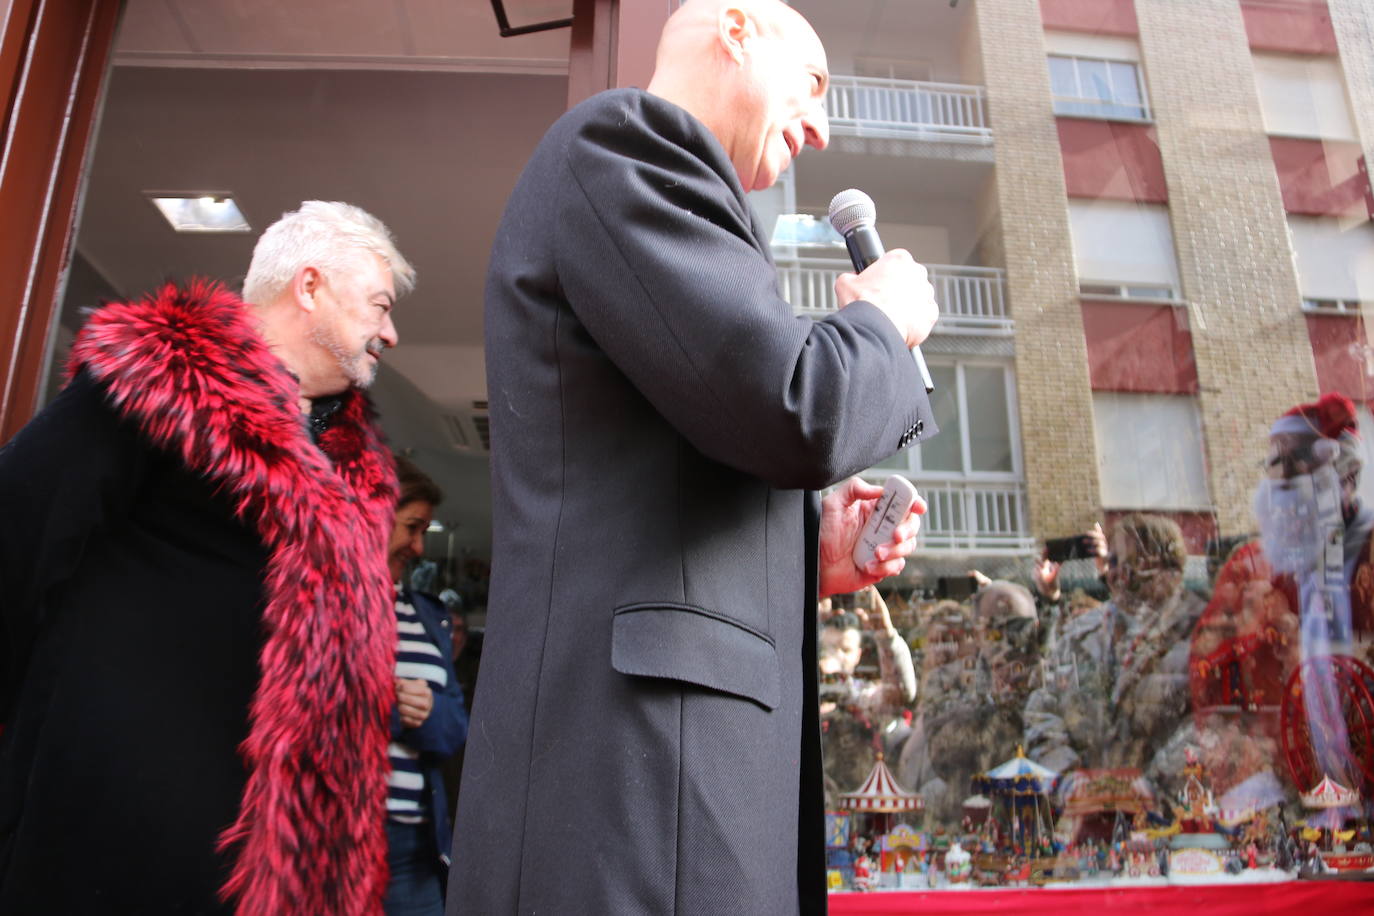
[{"x": 853, "y": 215}]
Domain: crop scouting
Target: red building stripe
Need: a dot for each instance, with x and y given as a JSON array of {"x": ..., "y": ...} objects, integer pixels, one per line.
[
  {"x": 1290, "y": 26},
  {"x": 1114, "y": 160},
  {"x": 1320, "y": 177},
  {"x": 1342, "y": 353},
  {"x": 1096, "y": 17},
  {"x": 1139, "y": 348}
]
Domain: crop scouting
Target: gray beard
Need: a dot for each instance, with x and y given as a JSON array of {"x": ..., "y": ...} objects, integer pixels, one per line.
[{"x": 359, "y": 371}]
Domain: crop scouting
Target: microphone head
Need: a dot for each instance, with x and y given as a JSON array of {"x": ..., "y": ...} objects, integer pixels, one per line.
[{"x": 851, "y": 209}]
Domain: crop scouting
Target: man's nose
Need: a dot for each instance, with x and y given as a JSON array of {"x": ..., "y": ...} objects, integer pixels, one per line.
[
  {"x": 417, "y": 544},
  {"x": 388, "y": 334},
  {"x": 816, "y": 126}
]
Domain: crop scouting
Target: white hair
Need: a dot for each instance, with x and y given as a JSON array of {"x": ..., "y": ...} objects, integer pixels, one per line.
[{"x": 323, "y": 234}]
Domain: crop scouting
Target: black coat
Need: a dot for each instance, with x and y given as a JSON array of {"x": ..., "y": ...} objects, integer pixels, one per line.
[
  {"x": 645, "y": 736},
  {"x": 142, "y": 594}
]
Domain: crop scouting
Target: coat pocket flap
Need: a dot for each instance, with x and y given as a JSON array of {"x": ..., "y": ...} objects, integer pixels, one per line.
[{"x": 696, "y": 646}]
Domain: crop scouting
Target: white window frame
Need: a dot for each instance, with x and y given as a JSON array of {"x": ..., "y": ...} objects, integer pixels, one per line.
[
  {"x": 1104, "y": 114},
  {"x": 914, "y": 466}
]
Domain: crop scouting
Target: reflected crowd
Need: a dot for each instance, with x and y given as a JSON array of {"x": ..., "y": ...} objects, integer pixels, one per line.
[{"x": 1155, "y": 719}]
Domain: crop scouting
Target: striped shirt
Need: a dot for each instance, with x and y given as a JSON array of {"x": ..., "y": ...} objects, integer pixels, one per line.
[{"x": 416, "y": 657}]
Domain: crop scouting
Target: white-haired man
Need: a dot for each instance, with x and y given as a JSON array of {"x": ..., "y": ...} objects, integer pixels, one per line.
[
  {"x": 647, "y": 737},
  {"x": 196, "y": 611}
]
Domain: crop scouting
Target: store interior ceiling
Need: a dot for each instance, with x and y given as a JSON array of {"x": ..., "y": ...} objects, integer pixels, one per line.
[{"x": 416, "y": 110}]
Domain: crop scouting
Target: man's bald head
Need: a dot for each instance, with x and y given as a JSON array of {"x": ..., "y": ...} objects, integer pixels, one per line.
[{"x": 754, "y": 72}]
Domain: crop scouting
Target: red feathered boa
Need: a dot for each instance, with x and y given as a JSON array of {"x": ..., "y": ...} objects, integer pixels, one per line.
[{"x": 188, "y": 369}]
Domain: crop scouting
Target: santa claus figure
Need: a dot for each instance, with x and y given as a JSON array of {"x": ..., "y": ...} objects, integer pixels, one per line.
[{"x": 1303, "y": 591}]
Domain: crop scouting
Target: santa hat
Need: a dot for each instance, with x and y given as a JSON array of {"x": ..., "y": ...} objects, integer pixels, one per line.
[{"x": 1331, "y": 417}]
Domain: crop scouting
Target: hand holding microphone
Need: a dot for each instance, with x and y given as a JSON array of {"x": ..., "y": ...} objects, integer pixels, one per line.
[{"x": 892, "y": 281}]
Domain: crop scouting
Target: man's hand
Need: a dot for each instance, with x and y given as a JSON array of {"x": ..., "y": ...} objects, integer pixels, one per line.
[
  {"x": 414, "y": 701},
  {"x": 900, "y": 288},
  {"x": 843, "y": 514}
]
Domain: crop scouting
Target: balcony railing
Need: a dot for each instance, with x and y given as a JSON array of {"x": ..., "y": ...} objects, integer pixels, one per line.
[
  {"x": 970, "y": 298},
  {"x": 864, "y": 106},
  {"x": 974, "y": 518}
]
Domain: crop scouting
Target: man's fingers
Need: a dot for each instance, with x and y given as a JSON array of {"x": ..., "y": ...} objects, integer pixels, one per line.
[{"x": 856, "y": 488}]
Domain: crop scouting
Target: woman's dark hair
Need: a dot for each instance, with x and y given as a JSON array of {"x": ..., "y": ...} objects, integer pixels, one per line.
[{"x": 416, "y": 485}]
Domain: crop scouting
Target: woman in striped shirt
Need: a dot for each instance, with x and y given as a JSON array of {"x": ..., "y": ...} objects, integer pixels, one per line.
[{"x": 428, "y": 722}]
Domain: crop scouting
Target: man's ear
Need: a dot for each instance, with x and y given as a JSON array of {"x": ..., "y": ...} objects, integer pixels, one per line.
[
  {"x": 734, "y": 29},
  {"x": 304, "y": 286}
]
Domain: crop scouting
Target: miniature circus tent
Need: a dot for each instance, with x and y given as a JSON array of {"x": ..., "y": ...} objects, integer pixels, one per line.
[
  {"x": 880, "y": 794},
  {"x": 1019, "y": 776},
  {"x": 1335, "y": 802},
  {"x": 1020, "y": 782},
  {"x": 1330, "y": 794}
]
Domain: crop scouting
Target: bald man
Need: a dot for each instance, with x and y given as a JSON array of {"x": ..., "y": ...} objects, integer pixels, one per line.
[{"x": 645, "y": 735}]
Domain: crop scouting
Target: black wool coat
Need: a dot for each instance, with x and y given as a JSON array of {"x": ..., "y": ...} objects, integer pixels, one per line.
[{"x": 645, "y": 734}]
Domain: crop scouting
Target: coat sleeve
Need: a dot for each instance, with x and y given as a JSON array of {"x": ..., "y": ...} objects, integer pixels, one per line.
[
  {"x": 72, "y": 472},
  {"x": 659, "y": 262}
]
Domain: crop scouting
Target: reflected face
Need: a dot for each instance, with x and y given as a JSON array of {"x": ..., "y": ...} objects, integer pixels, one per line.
[
  {"x": 778, "y": 106},
  {"x": 407, "y": 542},
  {"x": 841, "y": 650},
  {"x": 1295, "y": 455},
  {"x": 353, "y": 319},
  {"x": 1136, "y": 577}
]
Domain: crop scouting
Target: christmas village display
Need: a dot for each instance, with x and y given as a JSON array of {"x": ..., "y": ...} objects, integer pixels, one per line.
[
  {"x": 1289, "y": 799},
  {"x": 1026, "y": 825}
]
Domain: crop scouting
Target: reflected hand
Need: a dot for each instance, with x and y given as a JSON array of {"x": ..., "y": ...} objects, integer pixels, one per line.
[
  {"x": 1046, "y": 574},
  {"x": 1099, "y": 539}
]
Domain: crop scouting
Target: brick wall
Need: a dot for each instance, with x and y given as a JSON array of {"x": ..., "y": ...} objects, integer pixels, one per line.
[
  {"x": 1249, "y": 337},
  {"x": 1051, "y": 355}
]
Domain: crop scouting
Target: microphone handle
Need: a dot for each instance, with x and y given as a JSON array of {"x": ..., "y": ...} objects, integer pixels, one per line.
[{"x": 864, "y": 248}]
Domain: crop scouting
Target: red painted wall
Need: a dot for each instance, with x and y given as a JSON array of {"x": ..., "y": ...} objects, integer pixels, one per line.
[
  {"x": 1112, "y": 159},
  {"x": 1338, "y": 343},
  {"x": 1140, "y": 348},
  {"x": 1320, "y": 177},
  {"x": 1098, "y": 17},
  {"x": 1293, "y": 26}
]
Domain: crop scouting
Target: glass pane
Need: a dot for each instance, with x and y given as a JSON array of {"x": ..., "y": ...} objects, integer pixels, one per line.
[
  {"x": 944, "y": 452},
  {"x": 990, "y": 437},
  {"x": 1093, "y": 80},
  {"x": 1125, "y": 84},
  {"x": 1063, "y": 81}
]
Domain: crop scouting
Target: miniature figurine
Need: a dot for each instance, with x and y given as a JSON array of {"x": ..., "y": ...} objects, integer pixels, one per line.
[{"x": 863, "y": 873}]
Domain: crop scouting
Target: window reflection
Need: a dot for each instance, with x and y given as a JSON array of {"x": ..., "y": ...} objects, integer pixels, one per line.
[{"x": 1169, "y": 215}]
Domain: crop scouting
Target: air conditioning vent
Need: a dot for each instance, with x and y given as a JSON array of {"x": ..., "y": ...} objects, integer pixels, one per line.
[{"x": 470, "y": 431}]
